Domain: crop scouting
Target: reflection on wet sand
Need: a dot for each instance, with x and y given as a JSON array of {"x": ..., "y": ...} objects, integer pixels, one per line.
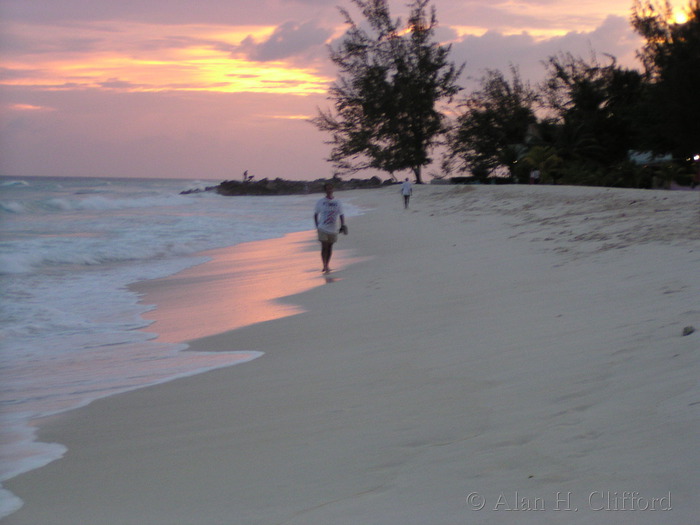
[{"x": 240, "y": 286}]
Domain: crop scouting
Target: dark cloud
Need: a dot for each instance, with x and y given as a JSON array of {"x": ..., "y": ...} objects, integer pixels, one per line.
[
  {"x": 115, "y": 83},
  {"x": 494, "y": 50},
  {"x": 12, "y": 74},
  {"x": 15, "y": 42},
  {"x": 289, "y": 40},
  {"x": 183, "y": 42}
]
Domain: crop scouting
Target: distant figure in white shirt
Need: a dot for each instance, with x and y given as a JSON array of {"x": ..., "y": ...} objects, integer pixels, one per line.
[
  {"x": 328, "y": 212},
  {"x": 406, "y": 191},
  {"x": 535, "y": 176}
]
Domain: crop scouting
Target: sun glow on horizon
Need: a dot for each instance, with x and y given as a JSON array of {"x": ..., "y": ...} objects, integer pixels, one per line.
[
  {"x": 153, "y": 59},
  {"x": 679, "y": 16},
  {"x": 218, "y": 74}
]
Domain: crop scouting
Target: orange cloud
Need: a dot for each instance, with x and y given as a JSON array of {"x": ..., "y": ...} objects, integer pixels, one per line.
[
  {"x": 28, "y": 107},
  {"x": 289, "y": 117},
  {"x": 142, "y": 57}
]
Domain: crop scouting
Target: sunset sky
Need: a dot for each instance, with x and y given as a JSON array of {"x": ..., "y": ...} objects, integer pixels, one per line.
[{"x": 205, "y": 89}]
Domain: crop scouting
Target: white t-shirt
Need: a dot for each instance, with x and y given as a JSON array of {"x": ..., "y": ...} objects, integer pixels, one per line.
[
  {"x": 406, "y": 188},
  {"x": 328, "y": 211}
]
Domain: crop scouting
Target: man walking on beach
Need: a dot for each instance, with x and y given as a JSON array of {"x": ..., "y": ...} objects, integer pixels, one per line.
[
  {"x": 326, "y": 215},
  {"x": 535, "y": 176},
  {"x": 406, "y": 191}
]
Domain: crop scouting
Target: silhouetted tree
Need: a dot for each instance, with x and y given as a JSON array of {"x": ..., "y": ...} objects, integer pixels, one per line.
[
  {"x": 546, "y": 160},
  {"x": 385, "y": 99},
  {"x": 594, "y": 109},
  {"x": 492, "y": 129},
  {"x": 671, "y": 57}
]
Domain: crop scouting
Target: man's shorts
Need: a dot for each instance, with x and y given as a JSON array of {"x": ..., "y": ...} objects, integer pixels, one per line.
[{"x": 325, "y": 236}]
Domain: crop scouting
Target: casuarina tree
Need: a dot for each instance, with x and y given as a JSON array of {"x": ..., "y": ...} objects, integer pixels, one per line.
[{"x": 392, "y": 78}]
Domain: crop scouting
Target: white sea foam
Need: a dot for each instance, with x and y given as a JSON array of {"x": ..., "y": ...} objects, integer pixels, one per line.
[
  {"x": 69, "y": 326},
  {"x": 8, "y": 183},
  {"x": 76, "y": 384},
  {"x": 12, "y": 207}
]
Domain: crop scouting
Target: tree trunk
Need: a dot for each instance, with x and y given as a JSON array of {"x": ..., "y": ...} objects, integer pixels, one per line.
[{"x": 417, "y": 173}]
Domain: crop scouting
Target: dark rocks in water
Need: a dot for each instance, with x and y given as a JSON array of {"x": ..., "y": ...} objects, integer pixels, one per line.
[
  {"x": 293, "y": 187},
  {"x": 198, "y": 190}
]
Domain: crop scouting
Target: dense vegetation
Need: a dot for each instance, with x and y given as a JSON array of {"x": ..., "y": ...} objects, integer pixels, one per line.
[{"x": 581, "y": 125}]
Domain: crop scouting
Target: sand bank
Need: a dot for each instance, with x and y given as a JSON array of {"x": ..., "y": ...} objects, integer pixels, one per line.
[{"x": 502, "y": 355}]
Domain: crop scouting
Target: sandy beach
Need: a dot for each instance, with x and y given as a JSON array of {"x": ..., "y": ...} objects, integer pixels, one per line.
[{"x": 492, "y": 355}]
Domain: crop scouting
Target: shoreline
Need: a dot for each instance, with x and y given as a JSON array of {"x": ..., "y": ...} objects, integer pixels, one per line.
[
  {"x": 240, "y": 285},
  {"x": 228, "y": 269},
  {"x": 486, "y": 347}
]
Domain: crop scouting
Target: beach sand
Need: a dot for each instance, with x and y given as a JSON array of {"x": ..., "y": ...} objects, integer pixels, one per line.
[{"x": 495, "y": 355}]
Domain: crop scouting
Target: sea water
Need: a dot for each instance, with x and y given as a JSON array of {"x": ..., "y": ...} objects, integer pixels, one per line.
[{"x": 70, "y": 329}]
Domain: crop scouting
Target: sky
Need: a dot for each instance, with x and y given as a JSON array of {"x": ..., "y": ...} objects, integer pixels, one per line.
[{"x": 206, "y": 89}]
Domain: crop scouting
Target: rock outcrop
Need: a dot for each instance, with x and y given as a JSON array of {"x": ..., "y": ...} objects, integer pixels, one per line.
[{"x": 288, "y": 187}]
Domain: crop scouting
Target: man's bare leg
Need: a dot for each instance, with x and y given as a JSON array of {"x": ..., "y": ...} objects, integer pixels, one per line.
[{"x": 326, "y": 252}]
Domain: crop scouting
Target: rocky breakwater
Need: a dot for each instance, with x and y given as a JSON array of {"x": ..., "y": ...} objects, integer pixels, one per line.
[{"x": 289, "y": 187}]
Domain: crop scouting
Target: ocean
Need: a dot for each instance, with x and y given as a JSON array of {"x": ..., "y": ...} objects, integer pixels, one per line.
[{"x": 70, "y": 330}]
